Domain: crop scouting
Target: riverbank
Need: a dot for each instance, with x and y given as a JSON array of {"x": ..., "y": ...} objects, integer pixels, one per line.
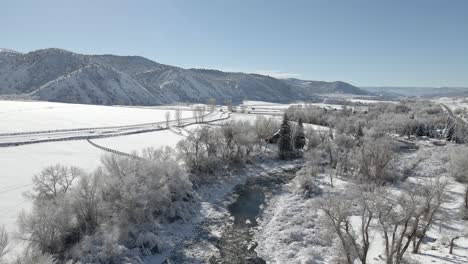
[{"x": 198, "y": 240}]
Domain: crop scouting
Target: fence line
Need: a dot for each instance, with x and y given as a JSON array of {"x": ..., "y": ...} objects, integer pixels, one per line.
[
  {"x": 84, "y": 137},
  {"x": 114, "y": 151}
]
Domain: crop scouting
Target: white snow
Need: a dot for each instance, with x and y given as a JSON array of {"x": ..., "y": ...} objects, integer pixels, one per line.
[
  {"x": 138, "y": 142},
  {"x": 21, "y": 116},
  {"x": 19, "y": 164},
  {"x": 289, "y": 230}
]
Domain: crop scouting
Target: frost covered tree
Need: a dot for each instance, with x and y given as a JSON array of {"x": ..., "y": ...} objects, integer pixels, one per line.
[
  {"x": 211, "y": 104},
  {"x": 406, "y": 217},
  {"x": 178, "y": 116},
  {"x": 299, "y": 136},
  {"x": 459, "y": 167},
  {"x": 355, "y": 240},
  {"x": 374, "y": 159},
  {"x": 87, "y": 202},
  {"x": 264, "y": 129},
  {"x": 4, "y": 242},
  {"x": 32, "y": 255},
  {"x": 284, "y": 144},
  {"x": 228, "y": 104},
  {"x": 55, "y": 180},
  {"x": 167, "y": 115}
]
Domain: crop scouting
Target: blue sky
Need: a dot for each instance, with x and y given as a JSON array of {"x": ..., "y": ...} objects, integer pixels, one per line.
[{"x": 364, "y": 42}]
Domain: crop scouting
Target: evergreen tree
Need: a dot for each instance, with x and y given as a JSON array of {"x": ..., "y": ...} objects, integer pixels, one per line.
[
  {"x": 299, "y": 136},
  {"x": 359, "y": 132},
  {"x": 284, "y": 143}
]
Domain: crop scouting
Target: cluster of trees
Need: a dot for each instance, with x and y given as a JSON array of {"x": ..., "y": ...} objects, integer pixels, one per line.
[
  {"x": 210, "y": 149},
  {"x": 291, "y": 141},
  {"x": 109, "y": 216},
  {"x": 199, "y": 113},
  {"x": 411, "y": 118},
  {"x": 363, "y": 153},
  {"x": 113, "y": 215},
  {"x": 4, "y": 240},
  {"x": 459, "y": 170},
  {"x": 403, "y": 219}
]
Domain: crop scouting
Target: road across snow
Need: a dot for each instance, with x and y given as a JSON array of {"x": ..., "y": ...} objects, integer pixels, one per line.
[
  {"x": 27, "y": 116},
  {"x": 21, "y": 138}
]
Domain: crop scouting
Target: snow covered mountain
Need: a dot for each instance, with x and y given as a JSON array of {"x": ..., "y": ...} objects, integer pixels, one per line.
[
  {"x": 319, "y": 87},
  {"x": 64, "y": 76}
]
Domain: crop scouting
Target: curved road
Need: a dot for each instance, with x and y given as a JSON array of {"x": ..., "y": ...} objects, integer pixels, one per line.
[{"x": 451, "y": 114}]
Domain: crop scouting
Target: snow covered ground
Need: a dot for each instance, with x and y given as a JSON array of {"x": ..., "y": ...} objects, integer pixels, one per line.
[
  {"x": 188, "y": 242},
  {"x": 369, "y": 101},
  {"x": 291, "y": 231},
  {"x": 19, "y": 164},
  {"x": 23, "y": 116},
  {"x": 259, "y": 106},
  {"x": 137, "y": 142}
]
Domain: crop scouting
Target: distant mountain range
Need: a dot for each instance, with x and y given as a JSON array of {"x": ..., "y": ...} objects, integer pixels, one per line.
[
  {"x": 64, "y": 76},
  {"x": 417, "y": 91}
]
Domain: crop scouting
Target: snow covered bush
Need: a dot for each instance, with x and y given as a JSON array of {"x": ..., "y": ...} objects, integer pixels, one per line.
[
  {"x": 208, "y": 150},
  {"x": 305, "y": 181},
  {"x": 459, "y": 163},
  {"x": 112, "y": 214},
  {"x": 374, "y": 160},
  {"x": 51, "y": 226},
  {"x": 32, "y": 255},
  {"x": 4, "y": 242},
  {"x": 459, "y": 169},
  {"x": 139, "y": 191}
]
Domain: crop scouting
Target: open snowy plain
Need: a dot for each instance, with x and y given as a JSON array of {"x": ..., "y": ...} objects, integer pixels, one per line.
[{"x": 18, "y": 164}]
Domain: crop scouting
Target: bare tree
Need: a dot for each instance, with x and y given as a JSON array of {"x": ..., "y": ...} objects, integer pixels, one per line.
[
  {"x": 228, "y": 104},
  {"x": 407, "y": 217},
  {"x": 452, "y": 243},
  {"x": 195, "y": 113},
  {"x": 354, "y": 240},
  {"x": 459, "y": 167},
  {"x": 4, "y": 242},
  {"x": 167, "y": 115},
  {"x": 211, "y": 104},
  {"x": 86, "y": 201},
  {"x": 374, "y": 158},
  {"x": 433, "y": 194},
  {"x": 55, "y": 180},
  {"x": 201, "y": 113},
  {"x": 178, "y": 115},
  {"x": 264, "y": 129}
]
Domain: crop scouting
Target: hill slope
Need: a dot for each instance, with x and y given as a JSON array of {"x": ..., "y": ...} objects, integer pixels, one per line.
[
  {"x": 64, "y": 76},
  {"x": 319, "y": 87}
]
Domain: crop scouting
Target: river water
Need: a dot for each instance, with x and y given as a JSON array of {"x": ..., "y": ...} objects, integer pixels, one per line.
[{"x": 235, "y": 244}]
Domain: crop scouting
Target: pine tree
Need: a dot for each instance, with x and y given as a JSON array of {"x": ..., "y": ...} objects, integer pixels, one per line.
[
  {"x": 359, "y": 132},
  {"x": 284, "y": 144},
  {"x": 299, "y": 136}
]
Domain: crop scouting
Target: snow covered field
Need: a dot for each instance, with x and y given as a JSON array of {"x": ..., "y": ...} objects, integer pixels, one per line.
[
  {"x": 19, "y": 164},
  {"x": 454, "y": 103},
  {"x": 259, "y": 106},
  {"x": 23, "y": 116},
  {"x": 137, "y": 142}
]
